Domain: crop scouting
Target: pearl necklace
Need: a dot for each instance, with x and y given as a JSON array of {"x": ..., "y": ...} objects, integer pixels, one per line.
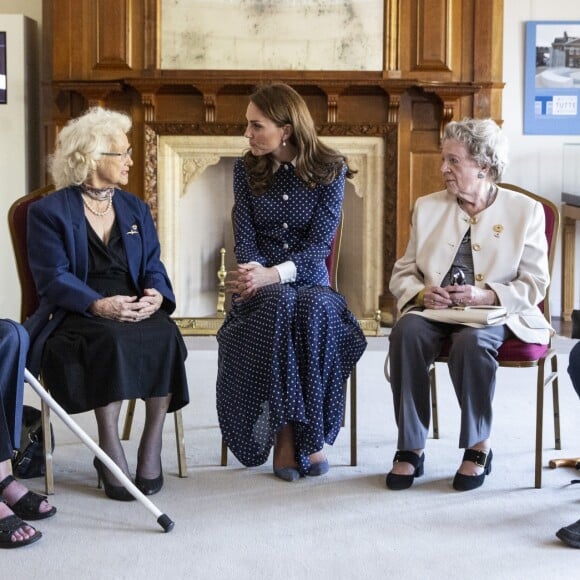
[
  {"x": 99, "y": 213},
  {"x": 96, "y": 193}
]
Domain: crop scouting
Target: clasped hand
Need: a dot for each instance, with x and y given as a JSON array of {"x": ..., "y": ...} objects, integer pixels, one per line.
[
  {"x": 128, "y": 308},
  {"x": 248, "y": 278},
  {"x": 457, "y": 295}
]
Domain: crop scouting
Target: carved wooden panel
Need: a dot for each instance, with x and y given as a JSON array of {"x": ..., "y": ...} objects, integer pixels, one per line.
[
  {"x": 113, "y": 43},
  {"x": 434, "y": 26},
  {"x": 432, "y": 38}
]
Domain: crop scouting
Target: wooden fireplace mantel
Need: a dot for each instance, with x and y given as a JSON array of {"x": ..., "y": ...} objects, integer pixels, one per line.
[{"x": 442, "y": 60}]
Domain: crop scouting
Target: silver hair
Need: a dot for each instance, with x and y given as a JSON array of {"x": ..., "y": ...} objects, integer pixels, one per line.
[
  {"x": 484, "y": 141},
  {"x": 80, "y": 143}
]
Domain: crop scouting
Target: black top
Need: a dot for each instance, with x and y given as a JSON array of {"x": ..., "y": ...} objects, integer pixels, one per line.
[{"x": 108, "y": 270}]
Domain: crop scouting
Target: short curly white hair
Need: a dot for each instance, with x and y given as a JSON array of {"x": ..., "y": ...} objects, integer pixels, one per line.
[
  {"x": 80, "y": 143},
  {"x": 485, "y": 142}
]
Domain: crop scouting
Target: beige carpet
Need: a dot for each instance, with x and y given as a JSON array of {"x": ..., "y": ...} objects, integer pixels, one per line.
[{"x": 243, "y": 523}]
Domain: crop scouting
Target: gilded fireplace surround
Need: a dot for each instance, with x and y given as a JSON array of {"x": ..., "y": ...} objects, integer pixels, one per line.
[{"x": 178, "y": 155}]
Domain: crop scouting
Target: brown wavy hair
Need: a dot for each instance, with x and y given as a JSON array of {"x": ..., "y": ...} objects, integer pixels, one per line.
[{"x": 316, "y": 163}]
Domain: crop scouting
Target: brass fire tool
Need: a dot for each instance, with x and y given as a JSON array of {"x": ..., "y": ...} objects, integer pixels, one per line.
[{"x": 221, "y": 274}]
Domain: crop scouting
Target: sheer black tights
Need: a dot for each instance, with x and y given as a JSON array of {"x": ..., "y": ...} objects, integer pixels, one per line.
[{"x": 149, "y": 453}]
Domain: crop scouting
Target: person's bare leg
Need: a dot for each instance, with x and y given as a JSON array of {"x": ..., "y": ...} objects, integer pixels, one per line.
[
  {"x": 149, "y": 453},
  {"x": 317, "y": 457},
  {"x": 284, "y": 451},
  {"x": 109, "y": 440},
  {"x": 15, "y": 490}
]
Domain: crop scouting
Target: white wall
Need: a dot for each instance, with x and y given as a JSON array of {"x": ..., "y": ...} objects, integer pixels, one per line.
[
  {"x": 535, "y": 160},
  {"x": 18, "y": 142},
  {"x": 13, "y": 157}
]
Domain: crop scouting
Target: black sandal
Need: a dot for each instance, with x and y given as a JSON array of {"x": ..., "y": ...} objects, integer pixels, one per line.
[
  {"x": 11, "y": 524},
  {"x": 27, "y": 507}
]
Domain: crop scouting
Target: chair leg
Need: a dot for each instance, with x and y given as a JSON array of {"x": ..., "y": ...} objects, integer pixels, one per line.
[
  {"x": 353, "y": 418},
  {"x": 543, "y": 383},
  {"x": 47, "y": 443},
  {"x": 128, "y": 420},
  {"x": 556, "y": 403},
  {"x": 539, "y": 427},
  {"x": 224, "y": 459},
  {"x": 344, "y": 393},
  {"x": 180, "y": 440},
  {"x": 434, "y": 411}
]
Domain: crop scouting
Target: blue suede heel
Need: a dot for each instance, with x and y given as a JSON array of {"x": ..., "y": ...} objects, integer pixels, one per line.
[
  {"x": 287, "y": 473},
  {"x": 319, "y": 468}
]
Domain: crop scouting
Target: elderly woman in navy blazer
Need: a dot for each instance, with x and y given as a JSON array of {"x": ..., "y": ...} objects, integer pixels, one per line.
[
  {"x": 472, "y": 243},
  {"x": 102, "y": 332}
]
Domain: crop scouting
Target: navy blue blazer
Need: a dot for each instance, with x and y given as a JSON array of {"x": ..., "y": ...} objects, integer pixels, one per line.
[{"x": 58, "y": 257}]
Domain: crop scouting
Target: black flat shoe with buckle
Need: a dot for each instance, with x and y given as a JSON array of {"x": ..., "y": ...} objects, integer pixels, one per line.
[
  {"x": 396, "y": 481},
  {"x": 463, "y": 482}
]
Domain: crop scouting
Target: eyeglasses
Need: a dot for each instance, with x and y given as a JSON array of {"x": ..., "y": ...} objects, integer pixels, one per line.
[{"x": 127, "y": 155}]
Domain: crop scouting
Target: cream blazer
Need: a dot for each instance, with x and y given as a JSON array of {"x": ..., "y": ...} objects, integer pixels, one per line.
[{"x": 510, "y": 255}]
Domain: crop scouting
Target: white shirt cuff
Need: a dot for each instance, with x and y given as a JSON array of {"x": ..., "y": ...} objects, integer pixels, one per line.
[{"x": 287, "y": 271}]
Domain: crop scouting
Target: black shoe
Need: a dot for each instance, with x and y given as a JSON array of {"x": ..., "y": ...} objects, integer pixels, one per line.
[
  {"x": 149, "y": 486},
  {"x": 117, "y": 492},
  {"x": 396, "y": 481},
  {"x": 463, "y": 482},
  {"x": 570, "y": 535}
]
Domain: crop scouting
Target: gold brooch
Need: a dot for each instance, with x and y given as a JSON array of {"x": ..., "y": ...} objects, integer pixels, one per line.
[{"x": 498, "y": 229}]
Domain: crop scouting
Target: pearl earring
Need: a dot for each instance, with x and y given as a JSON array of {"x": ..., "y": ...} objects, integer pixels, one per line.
[{"x": 283, "y": 142}]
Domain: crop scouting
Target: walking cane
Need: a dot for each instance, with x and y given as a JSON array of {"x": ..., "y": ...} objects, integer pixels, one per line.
[{"x": 162, "y": 519}]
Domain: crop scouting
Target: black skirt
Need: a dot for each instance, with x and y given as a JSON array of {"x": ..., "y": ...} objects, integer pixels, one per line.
[{"x": 90, "y": 362}]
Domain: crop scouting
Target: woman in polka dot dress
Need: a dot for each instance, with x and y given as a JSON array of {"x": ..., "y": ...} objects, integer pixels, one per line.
[{"x": 289, "y": 341}]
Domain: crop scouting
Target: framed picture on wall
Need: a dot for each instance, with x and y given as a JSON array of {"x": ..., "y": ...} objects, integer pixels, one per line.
[
  {"x": 274, "y": 35},
  {"x": 552, "y": 78},
  {"x": 2, "y": 68}
]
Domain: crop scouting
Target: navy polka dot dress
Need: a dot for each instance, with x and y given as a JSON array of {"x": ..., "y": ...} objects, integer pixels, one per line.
[{"x": 285, "y": 353}]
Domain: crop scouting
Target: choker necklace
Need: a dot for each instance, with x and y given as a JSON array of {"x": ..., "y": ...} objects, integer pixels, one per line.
[
  {"x": 96, "y": 193},
  {"x": 99, "y": 213}
]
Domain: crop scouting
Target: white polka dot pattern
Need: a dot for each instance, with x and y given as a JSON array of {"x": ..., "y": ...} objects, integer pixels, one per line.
[{"x": 284, "y": 354}]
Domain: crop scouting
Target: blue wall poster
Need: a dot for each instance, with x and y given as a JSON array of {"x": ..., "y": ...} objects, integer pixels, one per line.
[{"x": 552, "y": 78}]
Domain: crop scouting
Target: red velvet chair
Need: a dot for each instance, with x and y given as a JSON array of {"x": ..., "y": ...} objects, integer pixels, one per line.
[
  {"x": 332, "y": 266},
  {"x": 17, "y": 215},
  {"x": 515, "y": 353}
]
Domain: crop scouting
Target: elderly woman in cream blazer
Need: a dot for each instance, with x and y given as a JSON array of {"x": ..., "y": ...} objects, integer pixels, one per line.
[{"x": 473, "y": 243}]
